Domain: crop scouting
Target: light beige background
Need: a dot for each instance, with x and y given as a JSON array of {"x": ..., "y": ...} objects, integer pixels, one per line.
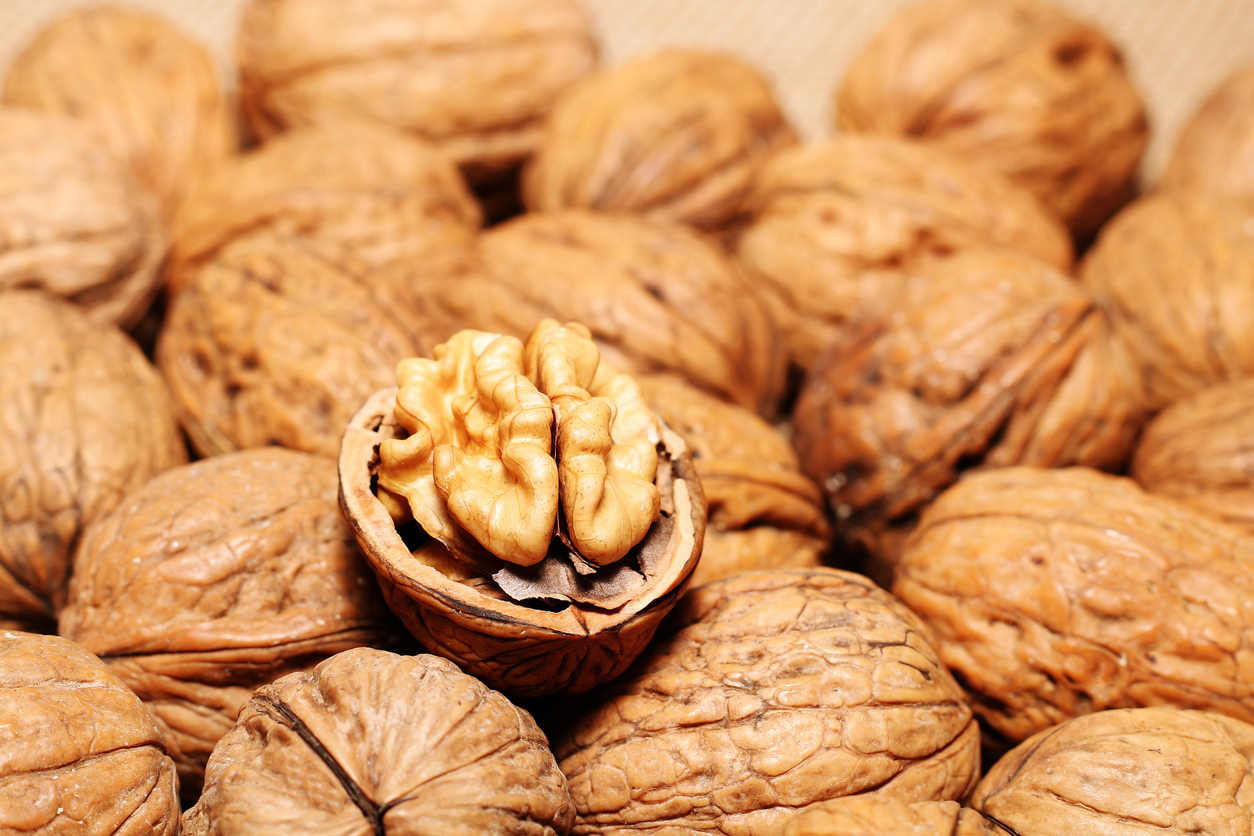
[{"x": 1177, "y": 50}]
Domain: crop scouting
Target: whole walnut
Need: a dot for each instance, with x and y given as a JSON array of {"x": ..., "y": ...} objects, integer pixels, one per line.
[
  {"x": 215, "y": 578},
  {"x": 150, "y": 91},
  {"x": 763, "y": 694},
  {"x": 73, "y": 220},
  {"x": 1017, "y": 87},
  {"x": 476, "y": 77},
  {"x": 674, "y": 137},
  {"x": 882, "y": 815},
  {"x": 85, "y": 420},
  {"x": 988, "y": 359},
  {"x": 838, "y": 226},
  {"x": 371, "y": 742},
  {"x": 79, "y": 753},
  {"x": 1177, "y": 274},
  {"x": 763, "y": 513},
  {"x": 1215, "y": 151},
  {"x": 1126, "y": 773},
  {"x": 278, "y": 340},
  {"x": 1198, "y": 451},
  {"x": 657, "y": 297},
  {"x": 1055, "y": 593}
]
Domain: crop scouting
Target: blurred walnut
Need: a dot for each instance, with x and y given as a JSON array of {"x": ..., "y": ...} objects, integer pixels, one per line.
[
  {"x": 1126, "y": 773},
  {"x": 1177, "y": 273},
  {"x": 371, "y": 742},
  {"x": 988, "y": 359},
  {"x": 1055, "y": 593},
  {"x": 150, "y": 92},
  {"x": 79, "y": 753},
  {"x": 215, "y": 578},
  {"x": 763, "y": 514},
  {"x": 838, "y": 226},
  {"x": 1200, "y": 451},
  {"x": 674, "y": 137},
  {"x": 476, "y": 77},
  {"x": 763, "y": 694},
  {"x": 84, "y": 420},
  {"x": 72, "y": 219},
  {"x": 1215, "y": 151},
  {"x": 880, "y": 815},
  {"x": 1017, "y": 87},
  {"x": 657, "y": 298}
]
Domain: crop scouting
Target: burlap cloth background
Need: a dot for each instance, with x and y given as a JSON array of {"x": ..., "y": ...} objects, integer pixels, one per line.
[{"x": 1177, "y": 49}]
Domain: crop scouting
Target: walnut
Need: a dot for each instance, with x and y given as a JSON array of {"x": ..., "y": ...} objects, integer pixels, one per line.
[
  {"x": 526, "y": 512},
  {"x": 73, "y": 220},
  {"x": 80, "y": 753},
  {"x": 85, "y": 420},
  {"x": 1055, "y": 593},
  {"x": 674, "y": 137},
  {"x": 989, "y": 359},
  {"x": 1018, "y": 87},
  {"x": 474, "y": 76},
  {"x": 1215, "y": 151},
  {"x": 768, "y": 692},
  {"x": 1197, "y": 451},
  {"x": 278, "y": 340},
  {"x": 371, "y": 742},
  {"x": 215, "y": 578},
  {"x": 763, "y": 513},
  {"x": 150, "y": 91},
  {"x": 657, "y": 297},
  {"x": 834, "y": 227},
  {"x": 1177, "y": 273},
  {"x": 1126, "y": 772},
  {"x": 882, "y": 815}
]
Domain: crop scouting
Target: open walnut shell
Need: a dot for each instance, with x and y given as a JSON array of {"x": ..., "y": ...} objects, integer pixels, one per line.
[{"x": 553, "y": 523}]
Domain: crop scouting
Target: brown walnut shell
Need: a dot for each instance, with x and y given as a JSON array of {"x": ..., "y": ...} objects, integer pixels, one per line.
[
  {"x": 1215, "y": 151},
  {"x": 72, "y": 219},
  {"x": 763, "y": 513},
  {"x": 1126, "y": 773},
  {"x": 990, "y": 359},
  {"x": 150, "y": 91},
  {"x": 881, "y": 815},
  {"x": 80, "y": 753},
  {"x": 1017, "y": 87},
  {"x": 765, "y": 693},
  {"x": 277, "y": 340},
  {"x": 1055, "y": 593},
  {"x": 370, "y": 742},
  {"x": 1200, "y": 451},
  {"x": 84, "y": 420},
  {"x": 215, "y": 578},
  {"x": 476, "y": 77},
  {"x": 1177, "y": 273},
  {"x": 523, "y": 650},
  {"x": 657, "y": 298},
  {"x": 673, "y": 137}
]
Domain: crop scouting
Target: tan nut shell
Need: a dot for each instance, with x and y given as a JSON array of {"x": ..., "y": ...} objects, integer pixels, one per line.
[
  {"x": 1215, "y": 151},
  {"x": 84, "y": 420},
  {"x": 836, "y": 226},
  {"x": 215, "y": 578},
  {"x": 1177, "y": 273},
  {"x": 522, "y": 650},
  {"x": 657, "y": 297},
  {"x": 474, "y": 76},
  {"x": 1055, "y": 593},
  {"x": 673, "y": 137},
  {"x": 371, "y": 742},
  {"x": 765, "y": 693},
  {"x": 150, "y": 91},
  {"x": 881, "y": 815},
  {"x": 1017, "y": 87},
  {"x": 73, "y": 220},
  {"x": 1200, "y": 451},
  {"x": 1127, "y": 773}
]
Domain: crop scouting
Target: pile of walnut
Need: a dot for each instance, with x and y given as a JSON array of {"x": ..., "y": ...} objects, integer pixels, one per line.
[{"x": 738, "y": 485}]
